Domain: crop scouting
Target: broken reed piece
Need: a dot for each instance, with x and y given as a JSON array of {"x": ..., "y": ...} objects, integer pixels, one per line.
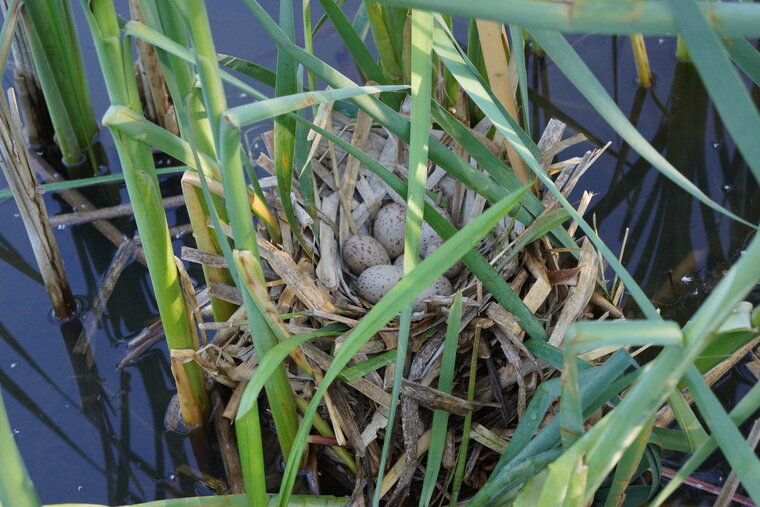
[
  {"x": 121, "y": 210},
  {"x": 76, "y": 200},
  {"x": 17, "y": 168}
]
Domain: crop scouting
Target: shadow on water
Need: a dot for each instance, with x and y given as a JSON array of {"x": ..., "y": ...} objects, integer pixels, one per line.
[{"x": 92, "y": 433}]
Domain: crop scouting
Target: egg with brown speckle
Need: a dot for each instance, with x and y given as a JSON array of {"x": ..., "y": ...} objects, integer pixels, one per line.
[
  {"x": 441, "y": 287},
  {"x": 390, "y": 228},
  {"x": 431, "y": 246},
  {"x": 361, "y": 252},
  {"x": 376, "y": 281}
]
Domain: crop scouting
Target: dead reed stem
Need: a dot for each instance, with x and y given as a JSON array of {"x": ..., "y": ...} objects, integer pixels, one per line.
[{"x": 17, "y": 168}]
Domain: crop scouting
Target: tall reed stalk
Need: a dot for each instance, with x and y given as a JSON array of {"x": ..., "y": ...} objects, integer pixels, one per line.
[
  {"x": 142, "y": 185},
  {"x": 227, "y": 142},
  {"x": 55, "y": 49}
]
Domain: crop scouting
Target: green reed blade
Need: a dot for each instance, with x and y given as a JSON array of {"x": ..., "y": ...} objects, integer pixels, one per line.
[
  {"x": 602, "y": 17},
  {"x": 91, "y": 181},
  {"x": 284, "y": 132},
  {"x": 16, "y": 488},
  {"x": 257, "y": 72},
  {"x": 439, "y": 425},
  {"x": 58, "y": 60},
  {"x": 517, "y": 36},
  {"x": 465, "y": 442},
  {"x": 421, "y": 90},
  {"x": 248, "y": 433},
  {"x": 722, "y": 81},
  {"x": 265, "y": 109},
  {"x": 742, "y": 458},
  {"x": 390, "y": 60},
  {"x": 746, "y": 56},
  {"x": 585, "y": 336},
  {"x": 269, "y": 363},
  {"x": 747, "y": 406},
  {"x": 362, "y": 368},
  {"x": 231, "y": 501},
  {"x": 354, "y": 44}
]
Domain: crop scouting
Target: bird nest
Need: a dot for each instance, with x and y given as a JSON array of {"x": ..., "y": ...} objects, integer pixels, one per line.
[{"x": 314, "y": 284}]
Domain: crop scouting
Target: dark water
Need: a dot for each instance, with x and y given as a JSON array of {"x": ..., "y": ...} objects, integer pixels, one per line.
[{"x": 96, "y": 434}]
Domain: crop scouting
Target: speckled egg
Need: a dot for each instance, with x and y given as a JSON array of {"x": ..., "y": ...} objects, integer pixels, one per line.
[
  {"x": 375, "y": 282},
  {"x": 441, "y": 287},
  {"x": 428, "y": 235},
  {"x": 390, "y": 228},
  {"x": 431, "y": 246},
  {"x": 361, "y": 252},
  {"x": 399, "y": 261}
]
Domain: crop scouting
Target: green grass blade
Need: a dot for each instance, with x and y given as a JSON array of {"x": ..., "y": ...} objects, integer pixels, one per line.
[
  {"x": 745, "y": 56},
  {"x": 354, "y": 44},
  {"x": 421, "y": 90},
  {"x": 248, "y": 433},
  {"x": 257, "y": 72},
  {"x": 91, "y": 181},
  {"x": 361, "y": 369},
  {"x": 517, "y": 36},
  {"x": 743, "y": 410},
  {"x": 742, "y": 458},
  {"x": 626, "y": 468},
  {"x": 16, "y": 488},
  {"x": 649, "y": 17},
  {"x": 402, "y": 294},
  {"x": 265, "y": 109},
  {"x": 231, "y": 501},
  {"x": 441, "y": 417},
  {"x": 722, "y": 81},
  {"x": 390, "y": 60},
  {"x": 269, "y": 363},
  {"x": 284, "y": 132},
  {"x": 465, "y": 443},
  {"x": 591, "y": 335},
  {"x": 568, "y": 61}
]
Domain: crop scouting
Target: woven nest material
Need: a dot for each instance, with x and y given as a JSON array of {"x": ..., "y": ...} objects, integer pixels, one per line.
[{"x": 312, "y": 285}]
